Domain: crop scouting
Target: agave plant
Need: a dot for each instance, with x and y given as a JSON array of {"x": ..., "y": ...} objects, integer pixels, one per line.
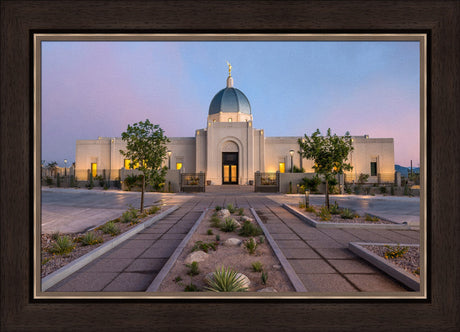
[{"x": 226, "y": 280}]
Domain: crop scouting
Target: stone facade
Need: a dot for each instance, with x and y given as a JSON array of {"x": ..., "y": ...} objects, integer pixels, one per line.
[{"x": 231, "y": 150}]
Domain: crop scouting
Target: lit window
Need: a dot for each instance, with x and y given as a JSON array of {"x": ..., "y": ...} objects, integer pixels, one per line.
[
  {"x": 94, "y": 169},
  {"x": 136, "y": 165},
  {"x": 373, "y": 168},
  {"x": 127, "y": 161},
  {"x": 214, "y": 120},
  {"x": 282, "y": 167},
  {"x": 209, "y": 124},
  {"x": 229, "y": 119},
  {"x": 178, "y": 165}
]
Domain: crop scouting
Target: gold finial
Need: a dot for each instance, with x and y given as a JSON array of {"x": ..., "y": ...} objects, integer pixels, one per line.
[{"x": 229, "y": 69}]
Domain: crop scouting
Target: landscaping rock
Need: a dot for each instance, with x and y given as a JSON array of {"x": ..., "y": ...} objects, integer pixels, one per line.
[
  {"x": 277, "y": 267},
  {"x": 236, "y": 223},
  {"x": 197, "y": 256},
  {"x": 267, "y": 290},
  {"x": 232, "y": 242},
  {"x": 244, "y": 218},
  {"x": 224, "y": 213}
]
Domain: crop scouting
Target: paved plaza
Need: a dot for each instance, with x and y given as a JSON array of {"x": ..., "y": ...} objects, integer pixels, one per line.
[{"x": 319, "y": 257}]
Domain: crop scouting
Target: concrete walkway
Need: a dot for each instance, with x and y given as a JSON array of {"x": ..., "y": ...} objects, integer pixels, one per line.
[{"x": 319, "y": 256}]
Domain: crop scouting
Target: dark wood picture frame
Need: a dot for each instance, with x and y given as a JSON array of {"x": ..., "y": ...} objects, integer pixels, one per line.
[{"x": 20, "y": 19}]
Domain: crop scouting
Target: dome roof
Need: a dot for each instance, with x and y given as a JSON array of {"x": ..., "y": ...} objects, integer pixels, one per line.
[{"x": 230, "y": 100}]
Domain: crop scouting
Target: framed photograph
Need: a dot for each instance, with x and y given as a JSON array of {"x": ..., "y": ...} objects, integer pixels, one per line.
[{"x": 371, "y": 82}]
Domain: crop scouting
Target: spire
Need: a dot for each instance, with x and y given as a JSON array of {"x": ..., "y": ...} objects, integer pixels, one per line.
[{"x": 230, "y": 78}]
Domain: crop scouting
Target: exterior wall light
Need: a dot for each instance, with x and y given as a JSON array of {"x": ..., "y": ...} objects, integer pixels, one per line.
[
  {"x": 291, "y": 152},
  {"x": 169, "y": 159}
]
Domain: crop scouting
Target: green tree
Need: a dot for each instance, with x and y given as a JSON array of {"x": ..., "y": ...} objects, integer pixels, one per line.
[
  {"x": 52, "y": 167},
  {"x": 329, "y": 154},
  {"x": 146, "y": 146}
]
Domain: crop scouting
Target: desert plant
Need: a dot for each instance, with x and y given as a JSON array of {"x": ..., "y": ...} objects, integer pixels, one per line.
[
  {"x": 348, "y": 188},
  {"x": 383, "y": 190},
  {"x": 367, "y": 190},
  {"x": 311, "y": 184},
  {"x": 347, "y": 214},
  {"x": 392, "y": 190},
  {"x": 261, "y": 239},
  {"x": 251, "y": 245},
  {"x": 49, "y": 181},
  {"x": 370, "y": 218},
  {"x": 215, "y": 222},
  {"x": 129, "y": 215},
  {"x": 111, "y": 228},
  {"x": 131, "y": 181},
  {"x": 241, "y": 211},
  {"x": 264, "y": 277},
  {"x": 324, "y": 213},
  {"x": 55, "y": 235},
  {"x": 249, "y": 229},
  {"x": 310, "y": 209},
  {"x": 357, "y": 190},
  {"x": 302, "y": 205},
  {"x": 90, "y": 238},
  {"x": 395, "y": 252},
  {"x": 217, "y": 238},
  {"x": 218, "y": 208},
  {"x": 177, "y": 279},
  {"x": 228, "y": 225},
  {"x": 209, "y": 232},
  {"x": 231, "y": 208},
  {"x": 362, "y": 178},
  {"x": 154, "y": 209},
  {"x": 193, "y": 269},
  {"x": 191, "y": 288},
  {"x": 257, "y": 266},
  {"x": 58, "y": 180},
  {"x": 204, "y": 246},
  {"x": 225, "y": 280},
  {"x": 63, "y": 245},
  {"x": 334, "y": 209}
]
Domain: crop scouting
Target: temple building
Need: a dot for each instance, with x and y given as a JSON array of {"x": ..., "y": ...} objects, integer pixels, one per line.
[{"x": 230, "y": 150}]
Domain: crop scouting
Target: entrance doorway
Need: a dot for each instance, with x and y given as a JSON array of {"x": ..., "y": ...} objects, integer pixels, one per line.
[{"x": 229, "y": 167}]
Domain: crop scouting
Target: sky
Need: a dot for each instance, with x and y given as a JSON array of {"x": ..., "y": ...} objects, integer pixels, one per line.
[{"x": 92, "y": 89}]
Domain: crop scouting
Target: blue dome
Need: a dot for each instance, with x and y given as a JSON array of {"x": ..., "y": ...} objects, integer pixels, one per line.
[{"x": 230, "y": 100}]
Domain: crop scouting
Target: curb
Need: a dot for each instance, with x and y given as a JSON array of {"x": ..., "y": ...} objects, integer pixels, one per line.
[
  {"x": 295, "y": 281},
  {"x": 80, "y": 262},
  {"x": 316, "y": 224},
  {"x": 396, "y": 272},
  {"x": 155, "y": 285}
]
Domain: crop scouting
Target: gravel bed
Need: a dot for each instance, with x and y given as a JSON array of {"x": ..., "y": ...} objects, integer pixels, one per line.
[
  {"x": 409, "y": 262},
  {"x": 52, "y": 262},
  {"x": 336, "y": 218}
]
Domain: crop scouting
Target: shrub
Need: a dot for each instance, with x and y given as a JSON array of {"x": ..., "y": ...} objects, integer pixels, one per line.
[
  {"x": 177, "y": 279},
  {"x": 63, "y": 245},
  {"x": 348, "y": 188},
  {"x": 362, "y": 178},
  {"x": 296, "y": 169},
  {"x": 334, "y": 209},
  {"x": 370, "y": 218},
  {"x": 191, "y": 288},
  {"x": 311, "y": 184},
  {"x": 395, "y": 252},
  {"x": 357, "y": 190},
  {"x": 209, "y": 232},
  {"x": 215, "y": 222},
  {"x": 231, "y": 208},
  {"x": 217, "y": 238},
  {"x": 241, "y": 211},
  {"x": 332, "y": 182},
  {"x": 264, "y": 277},
  {"x": 90, "y": 238},
  {"x": 55, "y": 235},
  {"x": 205, "y": 246},
  {"x": 302, "y": 205},
  {"x": 249, "y": 229},
  {"x": 228, "y": 226},
  {"x": 261, "y": 239},
  {"x": 347, "y": 214},
  {"x": 154, "y": 209},
  {"x": 257, "y": 266},
  {"x": 129, "y": 215},
  {"x": 392, "y": 190},
  {"x": 218, "y": 208},
  {"x": 324, "y": 213},
  {"x": 132, "y": 180},
  {"x": 49, "y": 181},
  {"x": 111, "y": 228},
  {"x": 226, "y": 280},
  {"x": 310, "y": 209},
  {"x": 251, "y": 245},
  {"x": 383, "y": 190},
  {"x": 193, "y": 269}
]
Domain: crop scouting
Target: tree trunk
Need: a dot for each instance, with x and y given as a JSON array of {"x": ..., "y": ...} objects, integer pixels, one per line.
[
  {"x": 142, "y": 195},
  {"x": 327, "y": 193}
]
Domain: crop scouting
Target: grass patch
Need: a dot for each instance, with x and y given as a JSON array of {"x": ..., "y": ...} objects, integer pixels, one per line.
[
  {"x": 89, "y": 239},
  {"x": 257, "y": 266},
  {"x": 62, "y": 246},
  {"x": 204, "y": 246},
  {"x": 324, "y": 213},
  {"x": 111, "y": 228}
]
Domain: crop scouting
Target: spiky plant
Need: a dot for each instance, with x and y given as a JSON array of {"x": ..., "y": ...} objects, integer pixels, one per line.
[
  {"x": 90, "y": 238},
  {"x": 63, "y": 245},
  {"x": 111, "y": 228},
  {"x": 228, "y": 226},
  {"x": 225, "y": 280},
  {"x": 257, "y": 266},
  {"x": 249, "y": 229},
  {"x": 231, "y": 208},
  {"x": 251, "y": 246}
]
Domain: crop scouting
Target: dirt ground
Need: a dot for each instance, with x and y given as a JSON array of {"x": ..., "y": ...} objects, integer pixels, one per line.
[{"x": 235, "y": 257}]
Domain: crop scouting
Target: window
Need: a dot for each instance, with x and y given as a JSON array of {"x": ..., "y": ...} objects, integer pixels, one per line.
[
  {"x": 127, "y": 161},
  {"x": 94, "y": 169},
  {"x": 373, "y": 168},
  {"x": 178, "y": 165},
  {"x": 229, "y": 119},
  {"x": 282, "y": 167}
]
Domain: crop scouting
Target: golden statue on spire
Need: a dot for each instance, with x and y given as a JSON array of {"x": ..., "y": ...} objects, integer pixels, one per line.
[{"x": 229, "y": 69}]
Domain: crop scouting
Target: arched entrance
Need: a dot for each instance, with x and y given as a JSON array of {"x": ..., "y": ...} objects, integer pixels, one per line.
[{"x": 230, "y": 163}]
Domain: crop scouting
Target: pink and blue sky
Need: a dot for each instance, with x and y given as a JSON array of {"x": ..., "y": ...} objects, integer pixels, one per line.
[{"x": 92, "y": 89}]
